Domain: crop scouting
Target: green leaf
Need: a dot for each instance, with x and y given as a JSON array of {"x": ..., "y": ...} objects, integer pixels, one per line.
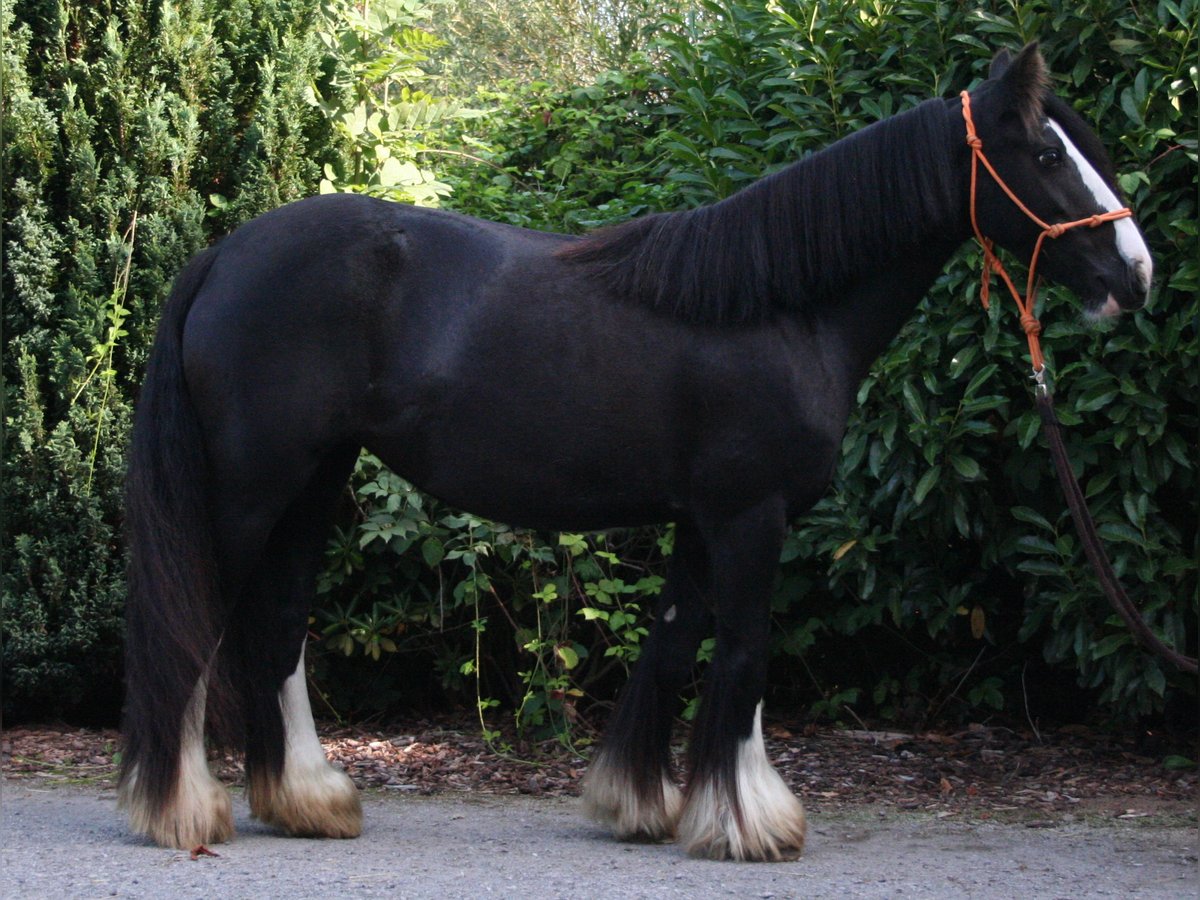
[
  {"x": 962, "y": 360},
  {"x": 433, "y": 552},
  {"x": 1176, "y": 763},
  {"x": 1155, "y": 679},
  {"x": 1177, "y": 448},
  {"x": 916, "y": 409},
  {"x": 1041, "y": 567},
  {"x": 1095, "y": 401},
  {"x": 980, "y": 379},
  {"x": 1119, "y": 532},
  {"x": 1031, "y": 517},
  {"x": 1129, "y": 106},
  {"x": 965, "y": 466},
  {"x": 1109, "y": 645},
  {"x": 567, "y": 655},
  {"x": 925, "y": 485},
  {"x": 1027, "y": 429}
]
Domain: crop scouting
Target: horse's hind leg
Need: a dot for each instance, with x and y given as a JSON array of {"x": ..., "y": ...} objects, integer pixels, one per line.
[
  {"x": 307, "y": 797},
  {"x": 737, "y": 805},
  {"x": 628, "y": 785},
  {"x": 290, "y": 783},
  {"x": 166, "y": 787},
  {"x": 199, "y": 810}
]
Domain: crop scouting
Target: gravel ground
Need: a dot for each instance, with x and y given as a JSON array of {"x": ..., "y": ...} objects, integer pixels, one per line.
[{"x": 67, "y": 841}]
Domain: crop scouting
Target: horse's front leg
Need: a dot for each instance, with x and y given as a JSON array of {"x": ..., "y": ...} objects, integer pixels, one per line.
[
  {"x": 737, "y": 805},
  {"x": 628, "y": 785}
]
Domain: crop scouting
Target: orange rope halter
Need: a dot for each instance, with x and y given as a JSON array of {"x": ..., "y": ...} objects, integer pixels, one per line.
[{"x": 991, "y": 262}]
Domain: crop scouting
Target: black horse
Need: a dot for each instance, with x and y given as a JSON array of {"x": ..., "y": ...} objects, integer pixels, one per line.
[{"x": 696, "y": 367}]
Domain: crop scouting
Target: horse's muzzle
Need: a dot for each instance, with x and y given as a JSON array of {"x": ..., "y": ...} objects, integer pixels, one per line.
[{"x": 1123, "y": 291}]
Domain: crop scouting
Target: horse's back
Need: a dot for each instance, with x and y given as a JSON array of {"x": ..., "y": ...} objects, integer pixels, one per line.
[
  {"x": 307, "y": 308},
  {"x": 355, "y": 252}
]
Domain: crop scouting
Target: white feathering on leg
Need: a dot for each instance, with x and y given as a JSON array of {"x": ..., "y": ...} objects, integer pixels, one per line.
[
  {"x": 200, "y": 811},
  {"x": 609, "y": 797},
  {"x": 312, "y": 798},
  {"x": 771, "y": 826}
]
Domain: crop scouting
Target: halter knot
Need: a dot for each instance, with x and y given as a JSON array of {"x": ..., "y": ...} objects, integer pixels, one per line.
[{"x": 1030, "y": 323}]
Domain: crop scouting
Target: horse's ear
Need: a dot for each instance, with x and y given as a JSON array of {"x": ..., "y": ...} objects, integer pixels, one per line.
[
  {"x": 1025, "y": 80},
  {"x": 1000, "y": 62}
]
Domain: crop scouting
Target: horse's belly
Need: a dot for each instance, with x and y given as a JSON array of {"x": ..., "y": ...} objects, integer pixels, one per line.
[
  {"x": 576, "y": 449},
  {"x": 527, "y": 486}
]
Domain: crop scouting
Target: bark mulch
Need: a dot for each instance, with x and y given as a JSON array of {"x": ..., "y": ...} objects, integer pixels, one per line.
[{"x": 983, "y": 771}]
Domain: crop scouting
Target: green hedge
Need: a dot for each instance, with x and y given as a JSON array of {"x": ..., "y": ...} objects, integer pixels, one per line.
[{"x": 133, "y": 133}]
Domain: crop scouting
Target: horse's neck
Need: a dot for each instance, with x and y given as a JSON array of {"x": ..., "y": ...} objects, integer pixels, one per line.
[
  {"x": 866, "y": 224},
  {"x": 908, "y": 227},
  {"x": 870, "y": 313},
  {"x": 831, "y": 234}
]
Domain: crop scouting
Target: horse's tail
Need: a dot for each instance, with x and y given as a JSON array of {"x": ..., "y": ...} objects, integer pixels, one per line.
[{"x": 173, "y": 614}]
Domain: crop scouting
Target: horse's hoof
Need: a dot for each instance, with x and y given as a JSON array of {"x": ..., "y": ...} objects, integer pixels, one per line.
[
  {"x": 648, "y": 815},
  {"x": 319, "y": 802},
  {"x": 749, "y": 815},
  {"x": 764, "y": 832},
  {"x": 201, "y": 813}
]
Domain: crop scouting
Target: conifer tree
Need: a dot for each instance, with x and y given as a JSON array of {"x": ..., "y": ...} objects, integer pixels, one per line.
[{"x": 134, "y": 132}]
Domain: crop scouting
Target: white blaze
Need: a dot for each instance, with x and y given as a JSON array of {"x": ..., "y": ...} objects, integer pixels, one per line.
[{"x": 1130, "y": 243}]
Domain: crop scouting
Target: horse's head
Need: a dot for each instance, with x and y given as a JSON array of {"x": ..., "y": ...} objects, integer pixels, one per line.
[{"x": 1057, "y": 168}]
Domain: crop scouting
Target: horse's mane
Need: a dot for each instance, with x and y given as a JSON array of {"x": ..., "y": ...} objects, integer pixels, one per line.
[{"x": 790, "y": 239}]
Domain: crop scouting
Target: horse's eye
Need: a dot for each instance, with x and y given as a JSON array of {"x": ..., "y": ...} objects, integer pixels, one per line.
[{"x": 1050, "y": 157}]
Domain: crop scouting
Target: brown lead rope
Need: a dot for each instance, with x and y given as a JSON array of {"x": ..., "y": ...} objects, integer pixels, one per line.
[{"x": 1091, "y": 541}]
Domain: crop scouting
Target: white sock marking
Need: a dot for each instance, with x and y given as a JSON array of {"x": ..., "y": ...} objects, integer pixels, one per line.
[
  {"x": 313, "y": 798},
  {"x": 303, "y": 751},
  {"x": 609, "y": 797},
  {"x": 200, "y": 812},
  {"x": 772, "y": 824},
  {"x": 194, "y": 775}
]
